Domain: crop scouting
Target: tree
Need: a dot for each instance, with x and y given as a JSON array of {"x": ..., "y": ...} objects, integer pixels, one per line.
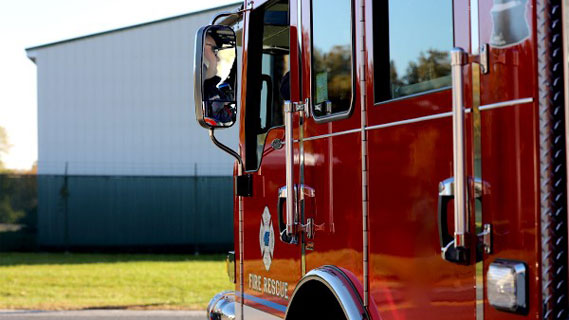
[
  {"x": 336, "y": 65},
  {"x": 434, "y": 64},
  {"x": 4, "y": 145}
]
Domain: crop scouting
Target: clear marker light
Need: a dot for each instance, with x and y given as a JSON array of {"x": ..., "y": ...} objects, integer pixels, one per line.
[{"x": 506, "y": 285}]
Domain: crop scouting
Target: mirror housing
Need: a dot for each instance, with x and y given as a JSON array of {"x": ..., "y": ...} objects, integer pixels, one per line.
[{"x": 215, "y": 77}]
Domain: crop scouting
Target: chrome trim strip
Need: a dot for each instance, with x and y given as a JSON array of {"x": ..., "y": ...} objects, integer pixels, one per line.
[
  {"x": 363, "y": 102},
  {"x": 420, "y": 119},
  {"x": 340, "y": 286},
  {"x": 477, "y": 69},
  {"x": 408, "y": 121},
  {"x": 329, "y": 135},
  {"x": 505, "y": 103},
  {"x": 302, "y": 220},
  {"x": 475, "y": 49},
  {"x": 241, "y": 247}
]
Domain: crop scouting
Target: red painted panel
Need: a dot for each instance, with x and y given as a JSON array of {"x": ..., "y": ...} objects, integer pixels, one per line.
[
  {"x": 510, "y": 155},
  {"x": 409, "y": 279},
  {"x": 335, "y": 175},
  {"x": 285, "y": 264}
]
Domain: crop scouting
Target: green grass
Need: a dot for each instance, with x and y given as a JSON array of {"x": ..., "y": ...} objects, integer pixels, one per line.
[{"x": 56, "y": 281}]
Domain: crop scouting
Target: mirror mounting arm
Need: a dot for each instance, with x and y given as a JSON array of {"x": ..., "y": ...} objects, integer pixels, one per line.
[
  {"x": 229, "y": 13},
  {"x": 226, "y": 149}
]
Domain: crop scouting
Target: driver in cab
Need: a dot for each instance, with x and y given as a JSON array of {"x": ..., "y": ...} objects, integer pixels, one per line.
[{"x": 220, "y": 112}]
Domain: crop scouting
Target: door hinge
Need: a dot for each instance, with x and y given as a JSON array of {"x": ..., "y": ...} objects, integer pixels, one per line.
[
  {"x": 308, "y": 228},
  {"x": 485, "y": 238},
  {"x": 302, "y": 107}
]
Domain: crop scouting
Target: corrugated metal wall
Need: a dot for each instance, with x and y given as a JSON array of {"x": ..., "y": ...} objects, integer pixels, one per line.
[
  {"x": 117, "y": 213},
  {"x": 135, "y": 212},
  {"x": 121, "y": 103}
]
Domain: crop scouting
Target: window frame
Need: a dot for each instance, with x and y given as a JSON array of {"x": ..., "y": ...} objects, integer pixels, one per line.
[
  {"x": 248, "y": 132},
  {"x": 344, "y": 114}
]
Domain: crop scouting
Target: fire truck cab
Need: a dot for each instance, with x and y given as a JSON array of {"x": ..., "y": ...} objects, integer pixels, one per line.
[{"x": 397, "y": 159}]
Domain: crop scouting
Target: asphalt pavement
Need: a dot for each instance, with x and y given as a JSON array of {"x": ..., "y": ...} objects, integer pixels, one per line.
[{"x": 101, "y": 315}]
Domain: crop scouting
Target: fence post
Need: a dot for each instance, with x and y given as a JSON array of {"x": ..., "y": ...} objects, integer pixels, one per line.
[
  {"x": 195, "y": 211},
  {"x": 65, "y": 195}
]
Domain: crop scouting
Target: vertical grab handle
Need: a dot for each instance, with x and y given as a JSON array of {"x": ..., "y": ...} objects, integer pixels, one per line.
[
  {"x": 458, "y": 60},
  {"x": 290, "y": 207}
]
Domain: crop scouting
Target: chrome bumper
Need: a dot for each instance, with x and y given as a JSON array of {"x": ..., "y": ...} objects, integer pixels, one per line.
[{"x": 222, "y": 306}]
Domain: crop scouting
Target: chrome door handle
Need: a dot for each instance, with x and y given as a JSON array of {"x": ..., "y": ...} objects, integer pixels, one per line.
[
  {"x": 449, "y": 251},
  {"x": 284, "y": 222},
  {"x": 299, "y": 192}
]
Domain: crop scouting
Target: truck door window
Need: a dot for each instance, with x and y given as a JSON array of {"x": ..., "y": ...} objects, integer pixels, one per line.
[
  {"x": 332, "y": 62},
  {"x": 267, "y": 76},
  {"x": 411, "y": 47}
]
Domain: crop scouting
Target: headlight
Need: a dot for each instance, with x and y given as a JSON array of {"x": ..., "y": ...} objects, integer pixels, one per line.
[
  {"x": 230, "y": 265},
  {"x": 506, "y": 285}
]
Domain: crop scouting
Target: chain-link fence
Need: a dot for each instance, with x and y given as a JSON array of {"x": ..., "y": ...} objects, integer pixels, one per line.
[{"x": 120, "y": 213}]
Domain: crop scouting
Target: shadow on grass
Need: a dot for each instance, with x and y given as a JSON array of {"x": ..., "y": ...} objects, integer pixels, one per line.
[{"x": 15, "y": 259}]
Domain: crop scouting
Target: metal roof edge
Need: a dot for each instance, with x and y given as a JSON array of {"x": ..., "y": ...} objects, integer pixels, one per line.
[
  {"x": 128, "y": 27},
  {"x": 31, "y": 55}
]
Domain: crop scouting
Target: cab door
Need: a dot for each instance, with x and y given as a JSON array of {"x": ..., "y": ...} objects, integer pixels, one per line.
[
  {"x": 415, "y": 270},
  {"x": 330, "y": 146},
  {"x": 271, "y": 266}
]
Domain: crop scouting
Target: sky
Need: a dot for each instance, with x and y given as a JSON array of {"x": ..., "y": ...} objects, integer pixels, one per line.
[{"x": 25, "y": 24}]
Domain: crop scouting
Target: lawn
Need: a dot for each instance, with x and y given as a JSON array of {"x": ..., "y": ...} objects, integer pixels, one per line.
[{"x": 56, "y": 281}]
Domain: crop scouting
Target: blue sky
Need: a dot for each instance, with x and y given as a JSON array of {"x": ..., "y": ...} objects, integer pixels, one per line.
[{"x": 26, "y": 24}]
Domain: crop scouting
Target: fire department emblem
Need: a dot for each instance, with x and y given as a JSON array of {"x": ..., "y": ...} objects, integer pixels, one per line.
[{"x": 267, "y": 238}]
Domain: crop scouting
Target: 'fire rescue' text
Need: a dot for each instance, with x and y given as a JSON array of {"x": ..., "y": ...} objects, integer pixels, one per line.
[{"x": 269, "y": 286}]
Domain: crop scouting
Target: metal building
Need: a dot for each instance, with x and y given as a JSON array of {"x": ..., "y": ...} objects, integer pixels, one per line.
[{"x": 121, "y": 160}]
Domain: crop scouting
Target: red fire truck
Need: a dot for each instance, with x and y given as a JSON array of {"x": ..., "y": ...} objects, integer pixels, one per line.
[{"x": 397, "y": 159}]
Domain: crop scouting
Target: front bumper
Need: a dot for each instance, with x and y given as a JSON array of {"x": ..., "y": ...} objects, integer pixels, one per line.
[{"x": 222, "y": 306}]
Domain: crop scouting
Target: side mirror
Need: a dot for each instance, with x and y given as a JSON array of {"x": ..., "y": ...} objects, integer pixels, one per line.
[{"x": 215, "y": 77}]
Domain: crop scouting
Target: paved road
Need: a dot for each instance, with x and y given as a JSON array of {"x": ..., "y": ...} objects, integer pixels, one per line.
[{"x": 101, "y": 315}]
